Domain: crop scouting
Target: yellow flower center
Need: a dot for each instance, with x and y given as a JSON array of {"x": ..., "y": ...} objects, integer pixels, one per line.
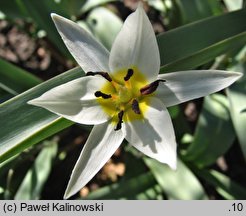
[
  {"x": 125, "y": 97},
  {"x": 123, "y": 94}
]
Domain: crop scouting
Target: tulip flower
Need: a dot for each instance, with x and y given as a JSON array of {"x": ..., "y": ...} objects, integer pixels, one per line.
[{"x": 123, "y": 94}]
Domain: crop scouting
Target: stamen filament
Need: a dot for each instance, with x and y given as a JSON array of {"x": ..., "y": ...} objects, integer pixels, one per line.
[
  {"x": 101, "y": 73},
  {"x": 103, "y": 95},
  {"x": 150, "y": 88}
]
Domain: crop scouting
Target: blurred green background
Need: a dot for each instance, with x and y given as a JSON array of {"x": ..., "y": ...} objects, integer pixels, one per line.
[{"x": 39, "y": 149}]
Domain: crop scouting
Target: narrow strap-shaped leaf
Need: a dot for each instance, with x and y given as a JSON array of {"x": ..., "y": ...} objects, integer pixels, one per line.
[
  {"x": 23, "y": 125},
  {"x": 226, "y": 187},
  {"x": 214, "y": 122},
  {"x": 140, "y": 187},
  {"x": 31, "y": 186},
  {"x": 14, "y": 79},
  {"x": 205, "y": 55},
  {"x": 183, "y": 41},
  {"x": 179, "y": 184},
  {"x": 237, "y": 98}
]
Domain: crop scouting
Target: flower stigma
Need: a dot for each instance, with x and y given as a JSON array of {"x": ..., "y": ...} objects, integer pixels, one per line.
[{"x": 125, "y": 95}]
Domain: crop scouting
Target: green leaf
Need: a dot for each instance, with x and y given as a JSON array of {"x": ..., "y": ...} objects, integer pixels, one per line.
[
  {"x": 205, "y": 55},
  {"x": 100, "y": 19},
  {"x": 12, "y": 172},
  {"x": 133, "y": 163},
  {"x": 214, "y": 122},
  {"x": 179, "y": 184},
  {"x": 33, "y": 183},
  {"x": 4, "y": 95},
  {"x": 13, "y": 9},
  {"x": 187, "y": 40},
  {"x": 237, "y": 98},
  {"x": 23, "y": 125},
  {"x": 14, "y": 79},
  {"x": 40, "y": 12},
  {"x": 141, "y": 187},
  {"x": 193, "y": 10},
  {"x": 71, "y": 7},
  {"x": 226, "y": 187}
]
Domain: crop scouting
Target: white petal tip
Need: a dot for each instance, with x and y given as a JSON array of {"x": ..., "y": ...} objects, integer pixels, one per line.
[
  {"x": 66, "y": 196},
  {"x": 54, "y": 16},
  {"x": 36, "y": 102},
  {"x": 172, "y": 164},
  {"x": 68, "y": 193},
  {"x": 140, "y": 4},
  {"x": 33, "y": 102},
  {"x": 71, "y": 191},
  {"x": 234, "y": 76},
  {"x": 237, "y": 74},
  {"x": 57, "y": 18}
]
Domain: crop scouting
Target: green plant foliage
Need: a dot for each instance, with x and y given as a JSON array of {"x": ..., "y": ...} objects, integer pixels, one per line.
[
  {"x": 226, "y": 187},
  {"x": 193, "y": 10},
  {"x": 4, "y": 95},
  {"x": 100, "y": 19},
  {"x": 179, "y": 184},
  {"x": 32, "y": 185},
  {"x": 214, "y": 122},
  {"x": 40, "y": 12},
  {"x": 70, "y": 7},
  {"x": 143, "y": 186},
  {"x": 182, "y": 42},
  {"x": 13, "y": 9},
  {"x": 237, "y": 98},
  {"x": 14, "y": 79},
  {"x": 24, "y": 125},
  {"x": 205, "y": 55}
]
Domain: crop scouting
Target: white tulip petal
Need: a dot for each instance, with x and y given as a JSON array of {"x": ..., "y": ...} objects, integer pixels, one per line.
[
  {"x": 187, "y": 85},
  {"x": 100, "y": 146},
  {"x": 154, "y": 136},
  {"x": 89, "y": 53},
  {"x": 136, "y": 45},
  {"x": 75, "y": 100}
]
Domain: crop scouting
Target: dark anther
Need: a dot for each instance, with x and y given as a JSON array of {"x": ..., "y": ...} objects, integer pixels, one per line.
[
  {"x": 135, "y": 106},
  {"x": 120, "y": 117},
  {"x": 150, "y": 88},
  {"x": 104, "y": 96},
  {"x": 129, "y": 74},
  {"x": 103, "y": 74}
]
